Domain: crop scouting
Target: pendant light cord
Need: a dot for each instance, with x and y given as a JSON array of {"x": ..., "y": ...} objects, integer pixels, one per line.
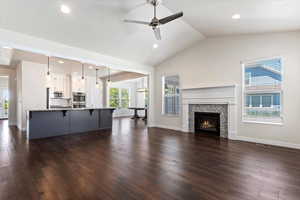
[
  {"x": 48, "y": 72},
  {"x": 109, "y": 77},
  {"x": 82, "y": 71},
  {"x": 96, "y": 76}
]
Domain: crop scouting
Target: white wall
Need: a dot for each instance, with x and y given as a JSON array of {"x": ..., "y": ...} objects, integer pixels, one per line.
[
  {"x": 31, "y": 89},
  {"x": 4, "y": 81},
  {"x": 217, "y": 61},
  {"x": 11, "y": 73},
  {"x": 19, "y": 95},
  {"x": 94, "y": 98}
]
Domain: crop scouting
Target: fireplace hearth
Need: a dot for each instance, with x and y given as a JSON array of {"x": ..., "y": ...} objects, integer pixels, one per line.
[{"x": 206, "y": 122}]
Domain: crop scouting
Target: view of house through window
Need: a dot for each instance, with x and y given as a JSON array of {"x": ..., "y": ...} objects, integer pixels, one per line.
[
  {"x": 171, "y": 95},
  {"x": 263, "y": 91},
  {"x": 119, "y": 97}
]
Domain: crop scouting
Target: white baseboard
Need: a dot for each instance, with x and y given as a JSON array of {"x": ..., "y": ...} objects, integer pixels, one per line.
[
  {"x": 150, "y": 124},
  {"x": 167, "y": 127},
  {"x": 232, "y": 135},
  {"x": 244, "y": 139},
  {"x": 12, "y": 124},
  {"x": 268, "y": 142}
]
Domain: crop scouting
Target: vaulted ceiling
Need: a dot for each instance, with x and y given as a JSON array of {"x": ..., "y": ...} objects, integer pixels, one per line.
[
  {"x": 97, "y": 25},
  {"x": 213, "y": 17}
]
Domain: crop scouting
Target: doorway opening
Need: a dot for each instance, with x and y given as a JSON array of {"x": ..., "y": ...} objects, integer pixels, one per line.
[
  {"x": 4, "y": 97},
  {"x": 129, "y": 96}
]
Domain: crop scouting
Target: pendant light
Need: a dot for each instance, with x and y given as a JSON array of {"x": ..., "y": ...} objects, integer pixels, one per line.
[
  {"x": 48, "y": 77},
  {"x": 109, "y": 76},
  {"x": 143, "y": 88},
  {"x": 82, "y": 72},
  {"x": 97, "y": 83}
]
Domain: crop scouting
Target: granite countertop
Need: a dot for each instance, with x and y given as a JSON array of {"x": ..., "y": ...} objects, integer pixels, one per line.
[{"x": 70, "y": 109}]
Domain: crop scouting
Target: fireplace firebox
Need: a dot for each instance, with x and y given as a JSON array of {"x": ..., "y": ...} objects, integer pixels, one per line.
[{"x": 206, "y": 122}]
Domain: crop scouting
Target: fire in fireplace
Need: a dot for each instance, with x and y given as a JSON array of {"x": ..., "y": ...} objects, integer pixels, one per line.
[{"x": 207, "y": 123}]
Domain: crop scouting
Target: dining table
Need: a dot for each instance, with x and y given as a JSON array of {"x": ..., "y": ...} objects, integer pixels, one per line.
[{"x": 136, "y": 115}]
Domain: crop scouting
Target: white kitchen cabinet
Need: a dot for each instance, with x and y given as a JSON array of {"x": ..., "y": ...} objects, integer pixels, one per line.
[
  {"x": 93, "y": 94},
  {"x": 77, "y": 84},
  {"x": 61, "y": 83},
  {"x": 69, "y": 84}
]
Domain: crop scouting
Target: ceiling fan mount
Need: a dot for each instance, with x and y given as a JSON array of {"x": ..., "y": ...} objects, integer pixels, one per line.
[
  {"x": 154, "y": 2},
  {"x": 155, "y": 22}
]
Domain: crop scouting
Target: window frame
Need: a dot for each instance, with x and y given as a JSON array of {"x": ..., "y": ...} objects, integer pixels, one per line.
[
  {"x": 121, "y": 99},
  {"x": 120, "y": 96},
  {"x": 272, "y": 101},
  {"x": 249, "y": 78},
  {"x": 109, "y": 99},
  {"x": 162, "y": 78},
  {"x": 277, "y": 121},
  {"x": 260, "y": 101}
]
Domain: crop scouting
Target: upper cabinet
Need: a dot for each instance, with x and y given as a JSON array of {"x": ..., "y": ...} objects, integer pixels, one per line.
[
  {"x": 61, "y": 83},
  {"x": 78, "y": 85},
  {"x": 88, "y": 86},
  {"x": 93, "y": 93}
]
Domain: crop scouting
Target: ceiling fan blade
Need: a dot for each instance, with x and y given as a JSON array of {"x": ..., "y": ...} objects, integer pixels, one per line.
[
  {"x": 170, "y": 18},
  {"x": 136, "y": 22},
  {"x": 157, "y": 33}
]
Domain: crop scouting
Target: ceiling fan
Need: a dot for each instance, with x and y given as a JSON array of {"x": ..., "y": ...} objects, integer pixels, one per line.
[{"x": 155, "y": 22}]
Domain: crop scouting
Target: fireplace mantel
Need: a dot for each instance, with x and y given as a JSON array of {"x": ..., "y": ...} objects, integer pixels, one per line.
[
  {"x": 208, "y": 86},
  {"x": 213, "y": 94}
]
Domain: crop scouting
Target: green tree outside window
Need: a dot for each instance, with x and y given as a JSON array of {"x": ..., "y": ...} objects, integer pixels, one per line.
[
  {"x": 119, "y": 98},
  {"x": 124, "y": 98},
  {"x": 114, "y": 97}
]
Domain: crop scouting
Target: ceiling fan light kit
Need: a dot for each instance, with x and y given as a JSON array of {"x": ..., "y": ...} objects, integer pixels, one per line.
[{"x": 155, "y": 22}]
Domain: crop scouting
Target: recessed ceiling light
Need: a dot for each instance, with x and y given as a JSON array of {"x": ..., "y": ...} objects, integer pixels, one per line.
[
  {"x": 236, "y": 16},
  {"x": 6, "y": 47},
  {"x": 65, "y": 9},
  {"x": 155, "y": 46},
  {"x": 61, "y": 62}
]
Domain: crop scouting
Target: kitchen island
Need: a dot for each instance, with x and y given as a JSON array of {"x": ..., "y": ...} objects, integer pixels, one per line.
[{"x": 55, "y": 122}]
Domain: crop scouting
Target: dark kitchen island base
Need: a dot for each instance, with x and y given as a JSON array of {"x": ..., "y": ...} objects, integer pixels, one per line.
[{"x": 50, "y": 123}]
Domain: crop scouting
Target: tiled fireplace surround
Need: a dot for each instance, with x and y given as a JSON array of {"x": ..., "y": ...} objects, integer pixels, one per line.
[
  {"x": 222, "y": 109},
  {"x": 216, "y": 99}
]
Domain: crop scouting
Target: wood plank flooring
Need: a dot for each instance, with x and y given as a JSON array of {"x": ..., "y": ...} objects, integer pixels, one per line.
[{"x": 133, "y": 162}]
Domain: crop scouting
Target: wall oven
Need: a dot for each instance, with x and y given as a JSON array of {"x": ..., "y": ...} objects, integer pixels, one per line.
[{"x": 79, "y": 100}]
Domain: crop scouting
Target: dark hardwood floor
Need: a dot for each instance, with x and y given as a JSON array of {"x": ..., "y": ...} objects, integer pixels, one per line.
[{"x": 134, "y": 162}]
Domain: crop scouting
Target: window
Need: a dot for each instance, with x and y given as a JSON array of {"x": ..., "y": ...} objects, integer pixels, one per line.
[
  {"x": 266, "y": 101},
  {"x": 263, "y": 91},
  {"x": 124, "y": 98},
  {"x": 171, "y": 95},
  {"x": 119, "y": 97},
  {"x": 114, "y": 100},
  {"x": 248, "y": 78}
]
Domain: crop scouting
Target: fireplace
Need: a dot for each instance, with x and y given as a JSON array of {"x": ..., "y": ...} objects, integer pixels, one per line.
[
  {"x": 206, "y": 122},
  {"x": 211, "y": 99}
]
